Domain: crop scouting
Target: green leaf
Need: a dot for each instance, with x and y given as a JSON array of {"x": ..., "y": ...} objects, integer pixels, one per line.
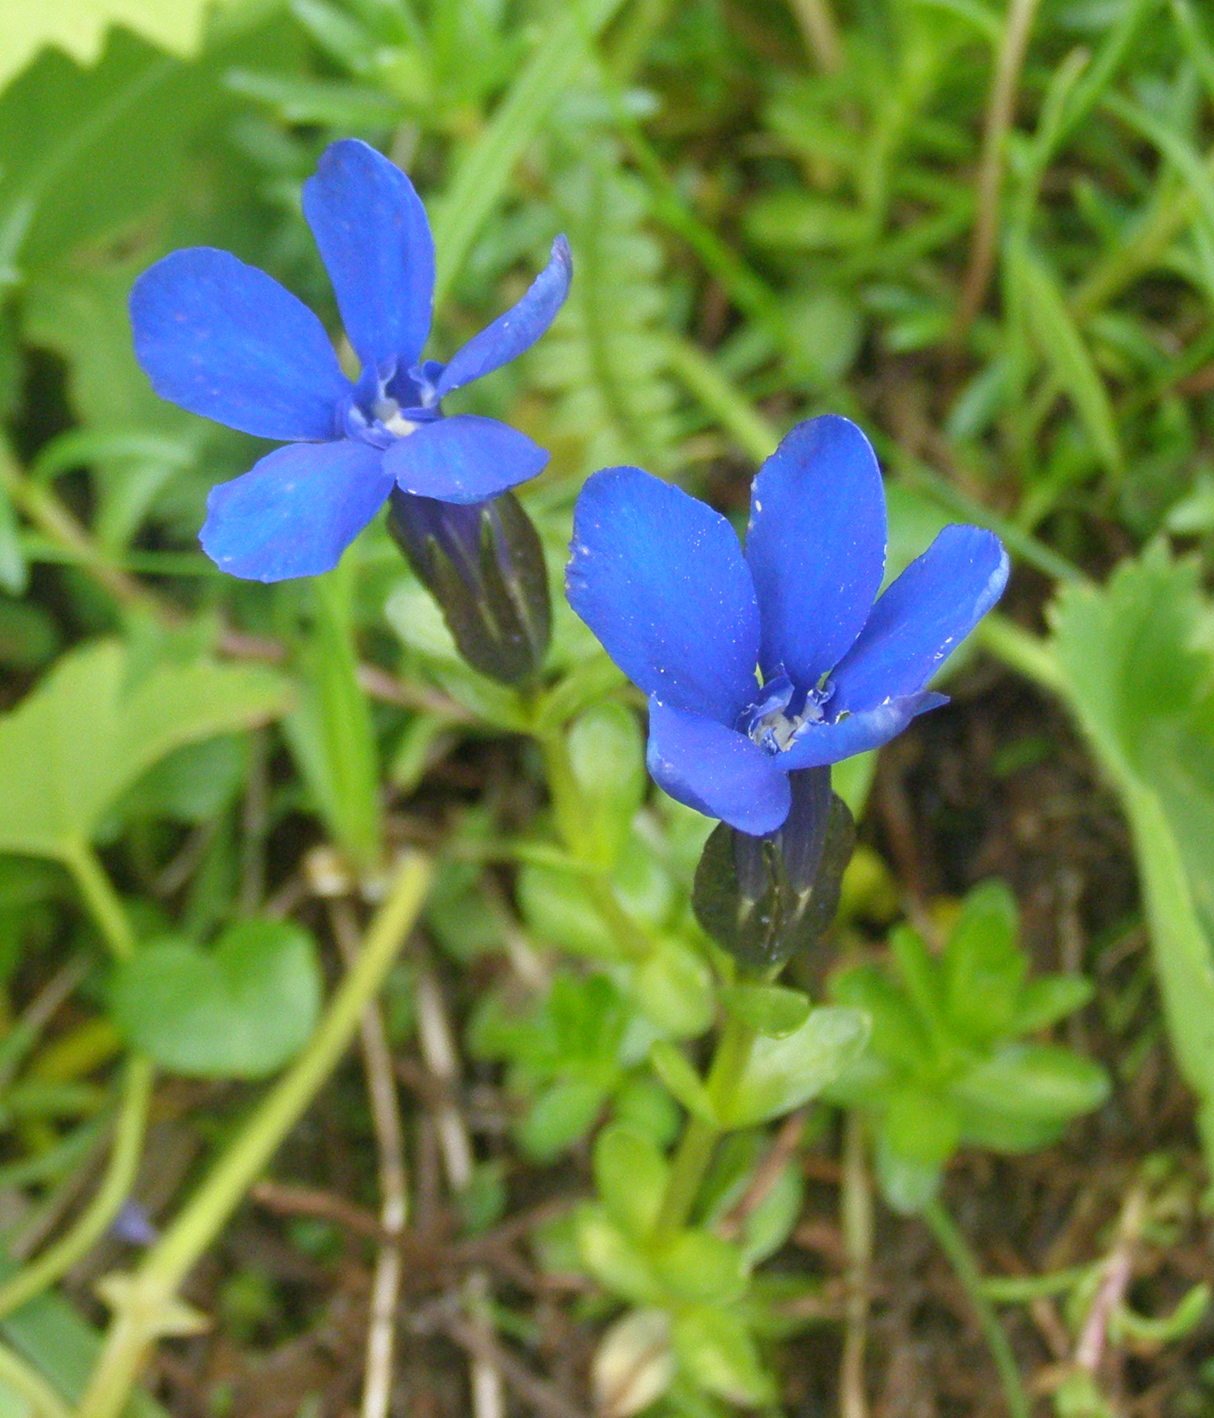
[
  {"x": 630, "y": 1177},
  {"x": 671, "y": 1066},
  {"x": 80, "y": 29},
  {"x": 982, "y": 964},
  {"x": 773, "y": 1010},
  {"x": 1039, "y": 1082},
  {"x": 781, "y": 1074},
  {"x": 614, "y": 1260},
  {"x": 1043, "y": 1002},
  {"x": 607, "y": 754},
  {"x": 698, "y": 1266},
  {"x": 90, "y": 730},
  {"x": 560, "y": 1116},
  {"x": 1138, "y": 669},
  {"x": 1061, "y": 345},
  {"x": 240, "y": 1010},
  {"x": 674, "y": 988},
  {"x": 718, "y": 1354},
  {"x": 898, "y": 1033}
]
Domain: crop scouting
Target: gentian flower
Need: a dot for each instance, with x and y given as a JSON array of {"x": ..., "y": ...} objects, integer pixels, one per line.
[
  {"x": 661, "y": 580},
  {"x": 226, "y": 341}
]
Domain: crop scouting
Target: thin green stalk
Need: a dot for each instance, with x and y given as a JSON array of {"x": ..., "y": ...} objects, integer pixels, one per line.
[
  {"x": 483, "y": 171},
  {"x": 146, "y": 1300},
  {"x": 102, "y": 900},
  {"x": 1022, "y": 651},
  {"x": 566, "y": 806},
  {"x": 956, "y": 1248},
  {"x": 687, "y": 1170},
  {"x": 701, "y": 378},
  {"x": 699, "y": 1140},
  {"x": 115, "y": 1187},
  {"x": 16, "y": 1374}
]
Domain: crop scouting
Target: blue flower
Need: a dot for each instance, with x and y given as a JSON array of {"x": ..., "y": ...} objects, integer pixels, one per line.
[
  {"x": 661, "y": 580},
  {"x": 226, "y": 341}
]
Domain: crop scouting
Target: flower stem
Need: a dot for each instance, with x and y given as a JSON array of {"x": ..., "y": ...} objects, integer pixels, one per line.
[
  {"x": 102, "y": 900},
  {"x": 628, "y": 935},
  {"x": 955, "y": 1247},
  {"x": 144, "y": 1302},
  {"x": 115, "y": 1187},
  {"x": 699, "y": 1140},
  {"x": 18, "y": 1375}
]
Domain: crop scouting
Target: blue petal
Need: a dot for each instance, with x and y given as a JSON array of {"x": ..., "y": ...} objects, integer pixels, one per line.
[
  {"x": 819, "y": 744},
  {"x": 921, "y": 618},
  {"x": 716, "y": 770},
  {"x": 463, "y": 459},
  {"x": 296, "y": 511},
  {"x": 375, "y": 241},
  {"x": 816, "y": 546},
  {"x": 226, "y": 341},
  {"x": 660, "y": 579},
  {"x": 518, "y": 329}
]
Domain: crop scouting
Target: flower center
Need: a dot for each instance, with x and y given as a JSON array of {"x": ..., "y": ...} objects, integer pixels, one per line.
[
  {"x": 772, "y": 722},
  {"x": 389, "y": 404}
]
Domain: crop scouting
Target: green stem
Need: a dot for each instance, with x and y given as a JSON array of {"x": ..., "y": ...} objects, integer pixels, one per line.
[
  {"x": 687, "y": 1171},
  {"x": 1022, "y": 651},
  {"x": 955, "y": 1247},
  {"x": 628, "y": 935},
  {"x": 102, "y": 900},
  {"x": 16, "y": 1374},
  {"x": 699, "y": 1140},
  {"x": 143, "y": 1303},
  {"x": 115, "y": 1187}
]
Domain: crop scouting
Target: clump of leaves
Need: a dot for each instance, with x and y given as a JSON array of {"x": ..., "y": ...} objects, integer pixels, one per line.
[{"x": 950, "y": 1062}]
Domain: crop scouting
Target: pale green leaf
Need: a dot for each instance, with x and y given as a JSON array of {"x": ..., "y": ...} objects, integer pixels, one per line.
[{"x": 89, "y": 730}]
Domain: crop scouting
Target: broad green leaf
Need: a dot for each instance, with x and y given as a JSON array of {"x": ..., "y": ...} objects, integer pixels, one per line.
[
  {"x": 773, "y": 1010},
  {"x": 696, "y": 1265},
  {"x": 607, "y": 755},
  {"x": 1138, "y": 669},
  {"x": 80, "y": 26},
  {"x": 630, "y": 1177},
  {"x": 239, "y": 1010},
  {"x": 90, "y": 729},
  {"x": 561, "y": 1115},
  {"x": 718, "y": 1354},
  {"x": 1045, "y": 1001},
  {"x": 614, "y": 1260},
  {"x": 781, "y": 1074},
  {"x": 88, "y": 151},
  {"x": 674, "y": 988}
]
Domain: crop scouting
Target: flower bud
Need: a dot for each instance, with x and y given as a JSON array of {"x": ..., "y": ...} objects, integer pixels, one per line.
[
  {"x": 762, "y": 898},
  {"x": 484, "y": 565}
]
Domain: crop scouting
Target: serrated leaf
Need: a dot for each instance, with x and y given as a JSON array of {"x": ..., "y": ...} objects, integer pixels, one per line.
[
  {"x": 79, "y": 27},
  {"x": 78, "y": 741},
  {"x": 1138, "y": 669}
]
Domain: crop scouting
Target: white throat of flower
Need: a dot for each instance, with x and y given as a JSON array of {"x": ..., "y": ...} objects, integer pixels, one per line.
[{"x": 387, "y": 411}]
